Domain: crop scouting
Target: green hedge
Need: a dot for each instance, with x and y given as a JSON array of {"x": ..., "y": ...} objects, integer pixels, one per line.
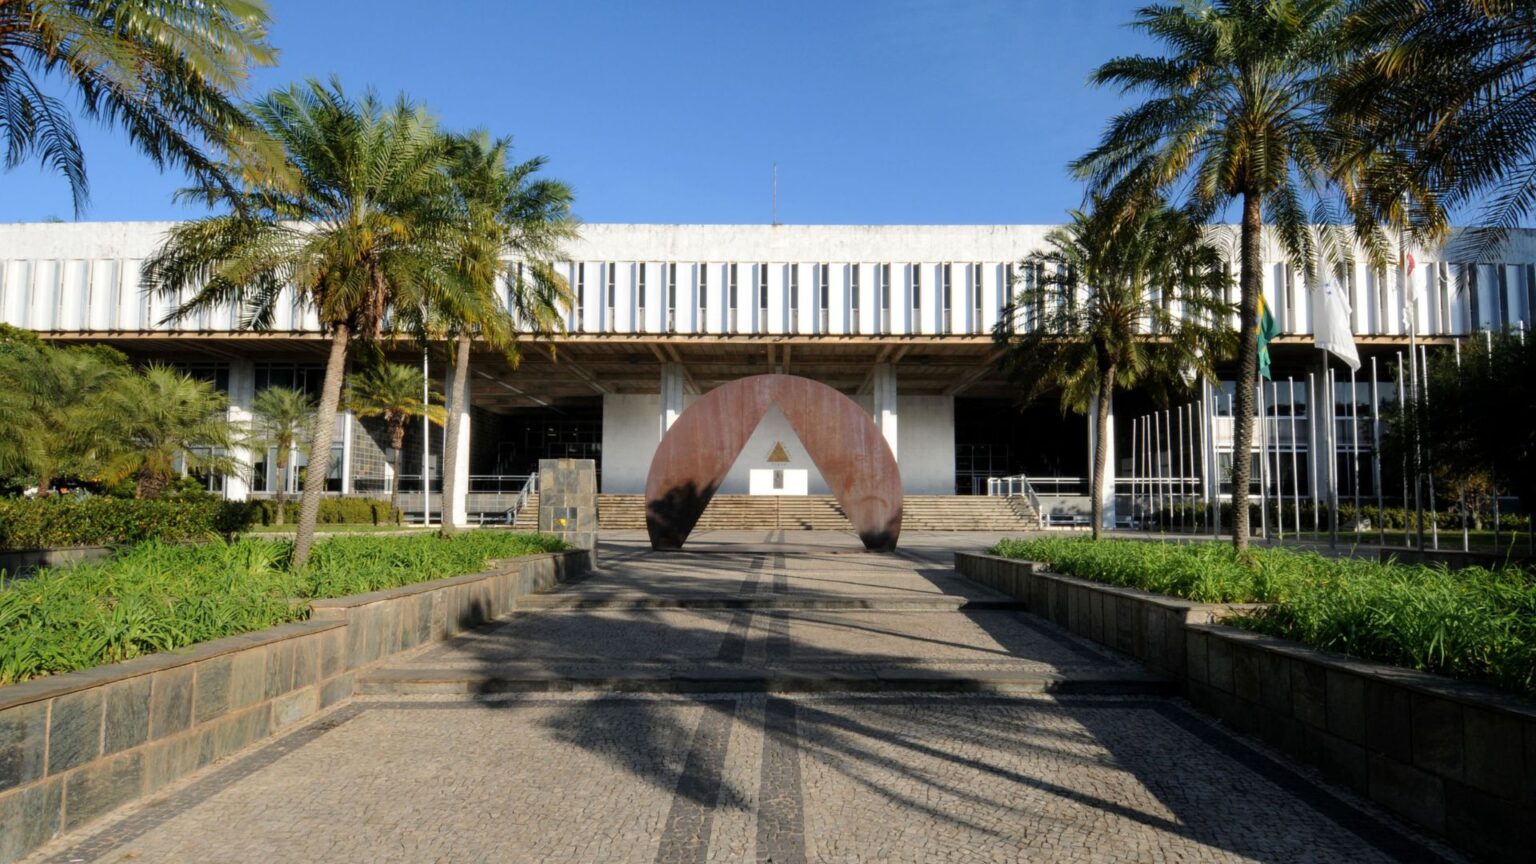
[
  {"x": 1472, "y": 623},
  {"x": 333, "y": 511},
  {"x": 55, "y": 521},
  {"x": 40, "y": 523},
  {"x": 160, "y": 596}
]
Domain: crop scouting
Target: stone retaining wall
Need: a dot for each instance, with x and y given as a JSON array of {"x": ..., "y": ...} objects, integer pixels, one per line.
[
  {"x": 1456, "y": 759},
  {"x": 75, "y": 746}
]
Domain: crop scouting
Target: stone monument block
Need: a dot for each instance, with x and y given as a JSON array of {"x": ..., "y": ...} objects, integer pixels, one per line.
[{"x": 568, "y": 500}]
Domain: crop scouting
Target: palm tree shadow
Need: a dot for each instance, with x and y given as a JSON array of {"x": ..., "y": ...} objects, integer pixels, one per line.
[{"x": 931, "y": 756}]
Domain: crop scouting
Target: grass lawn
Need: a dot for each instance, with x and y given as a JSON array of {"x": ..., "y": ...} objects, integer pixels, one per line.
[
  {"x": 156, "y": 597},
  {"x": 1474, "y": 624}
]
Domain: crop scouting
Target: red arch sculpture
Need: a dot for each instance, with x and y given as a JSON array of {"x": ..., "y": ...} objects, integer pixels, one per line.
[{"x": 699, "y": 449}]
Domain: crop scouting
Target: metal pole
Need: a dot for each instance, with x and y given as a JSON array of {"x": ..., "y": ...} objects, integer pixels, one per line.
[
  {"x": 1272, "y": 419},
  {"x": 1295, "y": 473},
  {"x": 1402, "y": 405},
  {"x": 1157, "y": 464},
  {"x": 426, "y": 443},
  {"x": 1134, "y": 472},
  {"x": 1381, "y": 502},
  {"x": 1146, "y": 459},
  {"x": 1429, "y": 476},
  {"x": 1194, "y": 492},
  {"x": 1466, "y": 534},
  {"x": 1263, "y": 467},
  {"x": 1412, "y": 309},
  {"x": 1333, "y": 463},
  {"x": 1314, "y": 452},
  {"x": 1178, "y": 495},
  {"x": 1354, "y": 446}
]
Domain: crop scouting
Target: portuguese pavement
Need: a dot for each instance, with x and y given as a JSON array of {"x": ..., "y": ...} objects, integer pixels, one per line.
[{"x": 761, "y": 698}]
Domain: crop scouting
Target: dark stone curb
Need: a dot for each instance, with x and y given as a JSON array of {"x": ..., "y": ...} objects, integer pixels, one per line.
[
  {"x": 1454, "y": 758},
  {"x": 769, "y": 602},
  {"x": 75, "y": 746}
]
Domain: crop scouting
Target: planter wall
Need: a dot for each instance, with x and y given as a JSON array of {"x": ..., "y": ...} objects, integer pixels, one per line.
[
  {"x": 75, "y": 746},
  {"x": 1456, "y": 759}
]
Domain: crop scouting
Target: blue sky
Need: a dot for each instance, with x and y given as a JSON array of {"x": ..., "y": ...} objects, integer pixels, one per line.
[{"x": 876, "y": 111}]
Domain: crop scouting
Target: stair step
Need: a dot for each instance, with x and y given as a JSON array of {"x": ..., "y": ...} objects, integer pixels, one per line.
[
  {"x": 938, "y": 603},
  {"x": 737, "y": 679}
]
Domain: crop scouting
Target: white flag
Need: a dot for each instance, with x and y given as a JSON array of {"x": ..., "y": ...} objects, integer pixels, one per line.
[{"x": 1330, "y": 324}]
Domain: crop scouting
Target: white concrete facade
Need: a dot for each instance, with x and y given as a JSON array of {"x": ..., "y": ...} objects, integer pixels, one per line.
[{"x": 752, "y": 279}]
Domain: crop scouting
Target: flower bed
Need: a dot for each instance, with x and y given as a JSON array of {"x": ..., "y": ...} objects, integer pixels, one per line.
[
  {"x": 1473, "y": 624},
  {"x": 157, "y": 596}
]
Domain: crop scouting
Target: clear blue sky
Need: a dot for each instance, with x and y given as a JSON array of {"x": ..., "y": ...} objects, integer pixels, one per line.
[{"x": 876, "y": 111}]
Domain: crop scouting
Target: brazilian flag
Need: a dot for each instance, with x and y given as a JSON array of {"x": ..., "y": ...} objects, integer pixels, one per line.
[{"x": 1268, "y": 330}]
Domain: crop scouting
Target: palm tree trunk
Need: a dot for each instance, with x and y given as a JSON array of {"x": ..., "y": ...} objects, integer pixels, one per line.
[
  {"x": 1247, "y": 366},
  {"x": 1101, "y": 448},
  {"x": 397, "y": 444},
  {"x": 320, "y": 446},
  {"x": 458, "y": 395}
]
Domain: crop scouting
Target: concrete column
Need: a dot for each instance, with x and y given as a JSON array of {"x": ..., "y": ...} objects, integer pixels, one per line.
[
  {"x": 346, "y": 453},
  {"x": 1109, "y": 459},
  {"x": 672, "y": 382},
  {"x": 456, "y": 511},
  {"x": 242, "y": 390},
  {"x": 883, "y": 384}
]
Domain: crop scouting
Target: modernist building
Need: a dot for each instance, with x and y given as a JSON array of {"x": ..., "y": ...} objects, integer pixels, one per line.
[{"x": 897, "y": 317}]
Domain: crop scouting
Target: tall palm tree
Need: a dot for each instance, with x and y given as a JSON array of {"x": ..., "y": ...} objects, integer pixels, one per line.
[
  {"x": 167, "y": 421},
  {"x": 359, "y": 238},
  {"x": 393, "y": 392},
  {"x": 48, "y": 427},
  {"x": 1232, "y": 110},
  {"x": 511, "y": 229},
  {"x": 280, "y": 416},
  {"x": 162, "y": 70},
  {"x": 1434, "y": 112},
  {"x": 1113, "y": 300}
]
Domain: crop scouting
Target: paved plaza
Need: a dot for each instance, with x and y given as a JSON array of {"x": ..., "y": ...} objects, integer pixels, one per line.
[{"x": 888, "y": 711}]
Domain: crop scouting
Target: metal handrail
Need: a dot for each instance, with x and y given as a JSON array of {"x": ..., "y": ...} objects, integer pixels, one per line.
[
  {"x": 530, "y": 486},
  {"x": 1015, "y": 486}
]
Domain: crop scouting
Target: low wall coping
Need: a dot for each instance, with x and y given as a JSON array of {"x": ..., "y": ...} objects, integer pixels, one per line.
[
  {"x": 1037, "y": 568},
  {"x": 500, "y": 567},
  {"x": 50, "y": 686},
  {"x": 1466, "y": 692}
]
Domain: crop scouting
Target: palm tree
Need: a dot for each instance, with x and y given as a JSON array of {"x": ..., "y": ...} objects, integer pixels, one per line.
[
  {"x": 1434, "y": 112},
  {"x": 511, "y": 229},
  {"x": 279, "y": 417},
  {"x": 48, "y": 428},
  {"x": 1116, "y": 298},
  {"x": 1233, "y": 111},
  {"x": 393, "y": 392},
  {"x": 163, "y": 71},
  {"x": 358, "y": 238},
  {"x": 167, "y": 421}
]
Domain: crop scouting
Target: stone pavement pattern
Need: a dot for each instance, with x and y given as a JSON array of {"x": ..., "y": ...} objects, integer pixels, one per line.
[{"x": 781, "y": 777}]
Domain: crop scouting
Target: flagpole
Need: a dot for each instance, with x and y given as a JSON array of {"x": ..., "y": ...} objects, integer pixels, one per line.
[
  {"x": 1429, "y": 476},
  {"x": 1402, "y": 406},
  {"x": 1157, "y": 465},
  {"x": 1290, "y": 383},
  {"x": 1333, "y": 462},
  {"x": 1354, "y": 446},
  {"x": 1381, "y": 502},
  {"x": 1263, "y": 469},
  {"x": 1193, "y": 493},
  {"x": 1466, "y": 535},
  {"x": 1178, "y": 496},
  {"x": 1411, "y": 313},
  {"x": 1314, "y": 452},
  {"x": 1279, "y": 475},
  {"x": 1208, "y": 450}
]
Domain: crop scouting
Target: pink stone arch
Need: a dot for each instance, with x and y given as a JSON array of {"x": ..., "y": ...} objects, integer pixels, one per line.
[{"x": 843, "y": 442}]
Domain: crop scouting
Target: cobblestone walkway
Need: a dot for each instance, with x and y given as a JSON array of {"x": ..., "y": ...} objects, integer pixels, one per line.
[{"x": 809, "y": 770}]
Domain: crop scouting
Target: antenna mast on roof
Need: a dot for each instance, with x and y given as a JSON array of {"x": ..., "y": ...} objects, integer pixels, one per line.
[{"x": 775, "y": 193}]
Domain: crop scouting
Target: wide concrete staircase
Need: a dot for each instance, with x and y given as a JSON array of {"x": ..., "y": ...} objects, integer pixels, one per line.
[{"x": 820, "y": 513}]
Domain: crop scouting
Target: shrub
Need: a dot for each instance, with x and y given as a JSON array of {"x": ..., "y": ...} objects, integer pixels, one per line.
[
  {"x": 333, "y": 511},
  {"x": 158, "y": 596},
  {"x": 1474, "y": 624},
  {"x": 37, "y": 523}
]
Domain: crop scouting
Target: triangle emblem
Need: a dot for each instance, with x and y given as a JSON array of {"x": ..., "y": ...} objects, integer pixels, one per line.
[{"x": 777, "y": 454}]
